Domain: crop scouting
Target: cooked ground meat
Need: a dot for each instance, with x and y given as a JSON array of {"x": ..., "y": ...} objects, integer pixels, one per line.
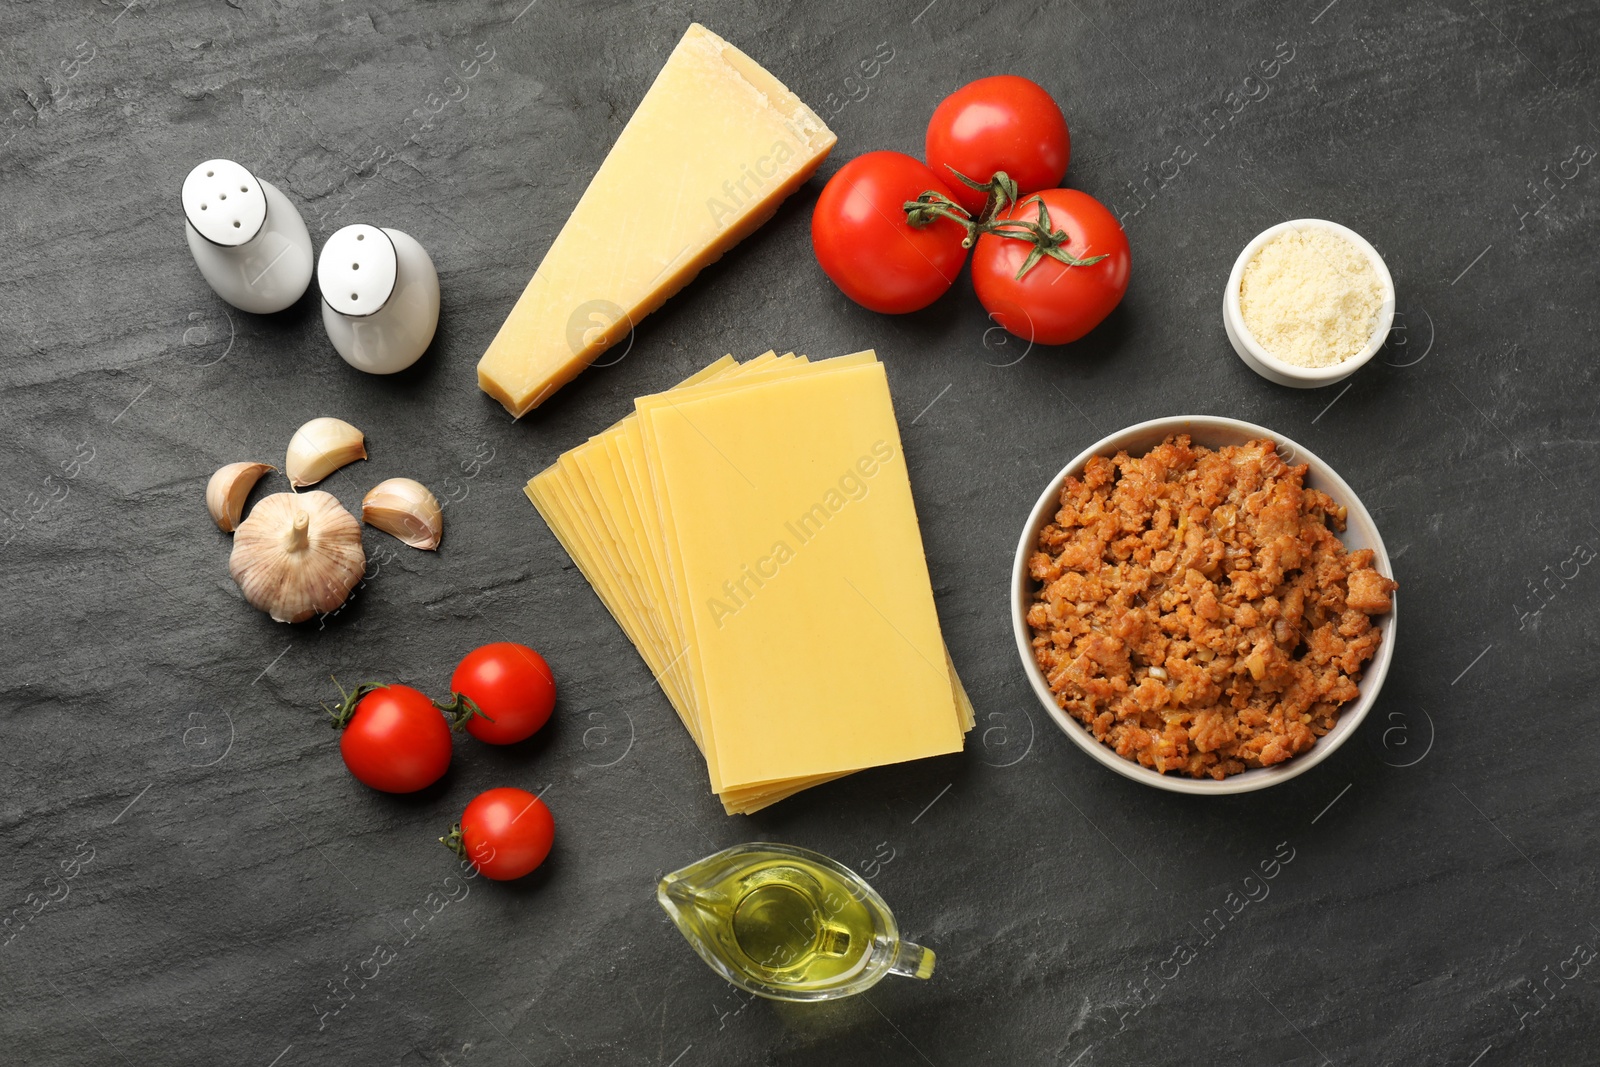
[{"x": 1195, "y": 611}]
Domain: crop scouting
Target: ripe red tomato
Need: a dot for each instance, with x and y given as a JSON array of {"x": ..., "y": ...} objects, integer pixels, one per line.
[
  {"x": 1054, "y": 303},
  {"x": 505, "y": 833},
  {"x": 864, "y": 243},
  {"x": 1002, "y": 123},
  {"x": 396, "y": 740},
  {"x": 512, "y": 685}
]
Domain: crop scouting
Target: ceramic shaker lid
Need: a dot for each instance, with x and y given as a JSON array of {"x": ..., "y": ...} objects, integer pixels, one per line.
[
  {"x": 224, "y": 202},
  {"x": 357, "y": 269}
]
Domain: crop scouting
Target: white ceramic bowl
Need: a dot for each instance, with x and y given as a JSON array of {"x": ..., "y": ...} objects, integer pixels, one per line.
[
  {"x": 1361, "y": 532},
  {"x": 1271, "y": 367}
]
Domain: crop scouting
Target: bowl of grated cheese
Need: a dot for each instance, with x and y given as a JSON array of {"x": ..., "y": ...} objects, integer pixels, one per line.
[{"x": 1308, "y": 303}]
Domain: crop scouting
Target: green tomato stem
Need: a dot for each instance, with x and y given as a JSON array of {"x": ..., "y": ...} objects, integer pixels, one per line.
[
  {"x": 460, "y": 710},
  {"x": 1002, "y": 194},
  {"x": 346, "y": 707},
  {"x": 931, "y": 206}
]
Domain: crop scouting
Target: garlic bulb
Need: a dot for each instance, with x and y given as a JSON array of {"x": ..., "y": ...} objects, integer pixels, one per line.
[
  {"x": 321, "y": 447},
  {"x": 405, "y": 508},
  {"x": 297, "y": 555},
  {"x": 227, "y": 489}
]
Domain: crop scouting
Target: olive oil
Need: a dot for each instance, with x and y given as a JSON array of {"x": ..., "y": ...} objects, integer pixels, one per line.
[{"x": 787, "y": 923}]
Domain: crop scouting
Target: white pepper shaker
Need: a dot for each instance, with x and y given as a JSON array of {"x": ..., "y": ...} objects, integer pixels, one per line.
[
  {"x": 246, "y": 237},
  {"x": 380, "y": 297}
]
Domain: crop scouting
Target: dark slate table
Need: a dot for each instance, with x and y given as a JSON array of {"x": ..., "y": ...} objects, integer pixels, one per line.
[{"x": 193, "y": 873}]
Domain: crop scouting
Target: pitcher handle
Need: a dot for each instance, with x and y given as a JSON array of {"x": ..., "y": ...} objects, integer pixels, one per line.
[{"x": 913, "y": 961}]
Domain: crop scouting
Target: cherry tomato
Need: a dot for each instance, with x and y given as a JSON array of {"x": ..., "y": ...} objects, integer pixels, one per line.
[
  {"x": 864, "y": 243},
  {"x": 1002, "y": 123},
  {"x": 396, "y": 740},
  {"x": 505, "y": 833},
  {"x": 512, "y": 685},
  {"x": 1054, "y": 303}
]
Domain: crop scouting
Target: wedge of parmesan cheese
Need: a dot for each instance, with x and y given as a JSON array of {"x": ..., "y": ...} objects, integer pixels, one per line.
[{"x": 713, "y": 149}]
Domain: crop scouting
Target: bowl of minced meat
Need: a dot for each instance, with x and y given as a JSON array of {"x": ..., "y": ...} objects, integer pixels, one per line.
[{"x": 1203, "y": 605}]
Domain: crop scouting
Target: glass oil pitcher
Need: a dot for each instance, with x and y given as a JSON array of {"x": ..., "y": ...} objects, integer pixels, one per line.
[{"x": 788, "y": 924}]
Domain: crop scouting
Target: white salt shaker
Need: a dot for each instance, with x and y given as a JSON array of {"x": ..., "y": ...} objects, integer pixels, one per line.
[
  {"x": 380, "y": 297},
  {"x": 246, "y": 237}
]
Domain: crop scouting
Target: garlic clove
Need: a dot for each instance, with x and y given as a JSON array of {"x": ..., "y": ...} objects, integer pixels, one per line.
[
  {"x": 227, "y": 490},
  {"x": 404, "y": 507},
  {"x": 321, "y": 447},
  {"x": 297, "y": 555}
]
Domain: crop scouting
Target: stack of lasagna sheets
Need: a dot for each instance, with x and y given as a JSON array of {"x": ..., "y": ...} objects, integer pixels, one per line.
[{"x": 752, "y": 530}]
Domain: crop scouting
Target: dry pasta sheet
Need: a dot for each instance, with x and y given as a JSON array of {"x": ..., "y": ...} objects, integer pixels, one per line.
[{"x": 752, "y": 531}]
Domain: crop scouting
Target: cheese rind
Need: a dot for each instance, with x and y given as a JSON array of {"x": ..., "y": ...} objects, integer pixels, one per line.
[{"x": 713, "y": 149}]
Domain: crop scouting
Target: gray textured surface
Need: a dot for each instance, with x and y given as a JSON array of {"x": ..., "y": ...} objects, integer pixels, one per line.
[{"x": 1442, "y": 860}]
